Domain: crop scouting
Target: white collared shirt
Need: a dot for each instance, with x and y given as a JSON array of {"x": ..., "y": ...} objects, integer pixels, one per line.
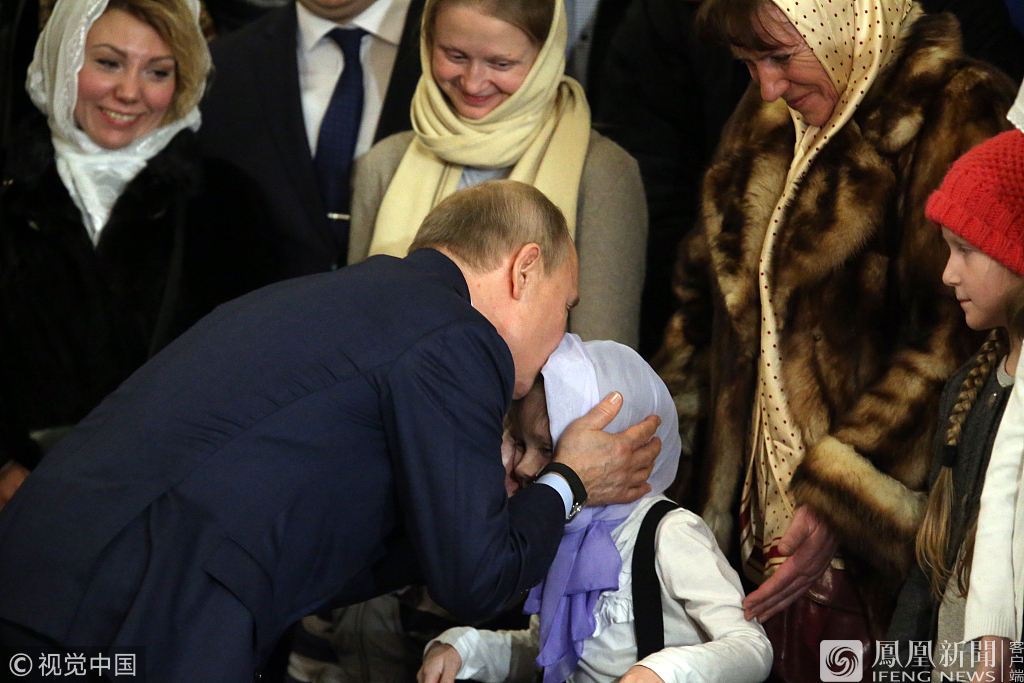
[{"x": 321, "y": 62}]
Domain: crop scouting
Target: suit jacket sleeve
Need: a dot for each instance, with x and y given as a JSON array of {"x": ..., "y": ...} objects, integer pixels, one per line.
[{"x": 443, "y": 407}]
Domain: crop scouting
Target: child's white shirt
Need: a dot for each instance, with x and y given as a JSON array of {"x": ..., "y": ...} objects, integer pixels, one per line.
[
  {"x": 997, "y": 569},
  {"x": 706, "y": 636}
]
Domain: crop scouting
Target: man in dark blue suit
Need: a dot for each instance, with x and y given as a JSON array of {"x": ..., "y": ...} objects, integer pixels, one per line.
[{"x": 326, "y": 438}]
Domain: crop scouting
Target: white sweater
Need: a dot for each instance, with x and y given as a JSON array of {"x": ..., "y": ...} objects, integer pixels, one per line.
[{"x": 707, "y": 638}]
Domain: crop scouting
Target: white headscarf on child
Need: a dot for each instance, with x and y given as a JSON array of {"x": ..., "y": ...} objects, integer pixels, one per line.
[
  {"x": 94, "y": 177},
  {"x": 576, "y": 377}
]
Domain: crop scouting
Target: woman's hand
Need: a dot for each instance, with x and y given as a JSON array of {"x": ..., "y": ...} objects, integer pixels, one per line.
[
  {"x": 11, "y": 476},
  {"x": 640, "y": 674},
  {"x": 994, "y": 665},
  {"x": 440, "y": 664},
  {"x": 808, "y": 545}
]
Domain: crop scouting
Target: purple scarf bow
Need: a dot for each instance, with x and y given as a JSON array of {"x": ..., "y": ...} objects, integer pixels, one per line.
[{"x": 587, "y": 563}]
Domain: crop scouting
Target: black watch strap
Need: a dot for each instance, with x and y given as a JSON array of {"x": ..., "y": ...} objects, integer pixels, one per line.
[{"x": 579, "y": 492}]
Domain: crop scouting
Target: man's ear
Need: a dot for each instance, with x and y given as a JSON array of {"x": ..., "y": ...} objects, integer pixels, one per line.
[{"x": 527, "y": 268}]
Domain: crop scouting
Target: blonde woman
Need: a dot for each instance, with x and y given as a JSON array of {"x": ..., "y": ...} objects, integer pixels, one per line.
[
  {"x": 115, "y": 235},
  {"x": 493, "y": 102}
]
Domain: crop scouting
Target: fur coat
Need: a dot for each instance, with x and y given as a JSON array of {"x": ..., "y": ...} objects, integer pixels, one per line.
[
  {"x": 76, "y": 320},
  {"x": 868, "y": 331}
]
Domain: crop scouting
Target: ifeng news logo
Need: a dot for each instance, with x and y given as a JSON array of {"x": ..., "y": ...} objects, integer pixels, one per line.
[{"x": 841, "y": 660}]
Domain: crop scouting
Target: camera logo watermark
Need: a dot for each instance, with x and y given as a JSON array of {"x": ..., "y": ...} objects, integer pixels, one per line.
[{"x": 841, "y": 660}]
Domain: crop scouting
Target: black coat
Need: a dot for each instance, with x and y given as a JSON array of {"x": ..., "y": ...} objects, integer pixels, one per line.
[{"x": 77, "y": 320}]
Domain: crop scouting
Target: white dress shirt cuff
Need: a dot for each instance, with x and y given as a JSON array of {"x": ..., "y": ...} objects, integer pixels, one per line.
[{"x": 562, "y": 486}]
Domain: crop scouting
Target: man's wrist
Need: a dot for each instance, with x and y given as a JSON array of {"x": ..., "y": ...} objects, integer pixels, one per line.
[
  {"x": 560, "y": 476},
  {"x": 561, "y": 486}
]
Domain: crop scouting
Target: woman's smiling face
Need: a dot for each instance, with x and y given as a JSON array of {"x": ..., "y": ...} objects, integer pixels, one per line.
[
  {"x": 790, "y": 70},
  {"x": 478, "y": 61},
  {"x": 127, "y": 81}
]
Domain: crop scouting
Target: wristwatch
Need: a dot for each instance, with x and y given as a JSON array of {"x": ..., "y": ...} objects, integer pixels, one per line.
[{"x": 579, "y": 493}]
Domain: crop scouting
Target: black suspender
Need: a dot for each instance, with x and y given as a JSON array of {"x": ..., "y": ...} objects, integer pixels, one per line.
[{"x": 648, "y": 621}]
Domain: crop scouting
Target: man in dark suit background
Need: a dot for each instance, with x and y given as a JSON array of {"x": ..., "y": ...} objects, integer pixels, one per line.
[
  {"x": 333, "y": 436},
  {"x": 275, "y": 80}
]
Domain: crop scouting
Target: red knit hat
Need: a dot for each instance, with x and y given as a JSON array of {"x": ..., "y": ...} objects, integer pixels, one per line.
[{"x": 982, "y": 199}]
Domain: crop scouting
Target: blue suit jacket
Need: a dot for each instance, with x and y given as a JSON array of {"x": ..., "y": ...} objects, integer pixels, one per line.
[{"x": 289, "y": 447}]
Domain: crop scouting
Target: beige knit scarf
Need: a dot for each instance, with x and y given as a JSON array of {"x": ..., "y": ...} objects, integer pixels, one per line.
[
  {"x": 853, "y": 41},
  {"x": 542, "y": 130}
]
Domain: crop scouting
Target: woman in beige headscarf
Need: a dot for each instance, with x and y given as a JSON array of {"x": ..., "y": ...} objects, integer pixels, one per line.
[
  {"x": 832, "y": 332},
  {"x": 493, "y": 102}
]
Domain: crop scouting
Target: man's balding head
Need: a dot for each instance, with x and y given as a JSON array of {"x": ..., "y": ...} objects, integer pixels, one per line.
[
  {"x": 519, "y": 261},
  {"x": 482, "y": 225}
]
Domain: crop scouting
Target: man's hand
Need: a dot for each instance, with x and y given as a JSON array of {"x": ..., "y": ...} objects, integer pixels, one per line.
[
  {"x": 808, "y": 545},
  {"x": 613, "y": 467},
  {"x": 440, "y": 664},
  {"x": 11, "y": 476},
  {"x": 640, "y": 674}
]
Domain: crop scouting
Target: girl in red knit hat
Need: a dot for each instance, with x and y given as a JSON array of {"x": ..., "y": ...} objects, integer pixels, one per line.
[{"x": 980, "y": 209}]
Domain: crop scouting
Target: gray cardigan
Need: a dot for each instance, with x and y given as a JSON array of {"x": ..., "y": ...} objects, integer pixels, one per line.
[{"x": 611, "y": 232}]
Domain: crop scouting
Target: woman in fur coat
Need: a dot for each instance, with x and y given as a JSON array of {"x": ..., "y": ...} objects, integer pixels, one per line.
[
  {"x": 115, "y": 236},
  {"x": 815, "y": 333}
]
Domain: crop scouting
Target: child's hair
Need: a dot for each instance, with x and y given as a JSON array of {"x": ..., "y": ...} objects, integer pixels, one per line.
[
  {"x": 980, "y": 200},
  {"x": 933, "y": 537}
]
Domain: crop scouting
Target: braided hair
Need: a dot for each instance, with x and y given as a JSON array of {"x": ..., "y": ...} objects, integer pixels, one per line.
[{"x": 933, "y": 537}]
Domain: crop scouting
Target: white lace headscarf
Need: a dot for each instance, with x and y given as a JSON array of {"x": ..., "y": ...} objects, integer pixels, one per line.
[{"x": 94, "y": 177}]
